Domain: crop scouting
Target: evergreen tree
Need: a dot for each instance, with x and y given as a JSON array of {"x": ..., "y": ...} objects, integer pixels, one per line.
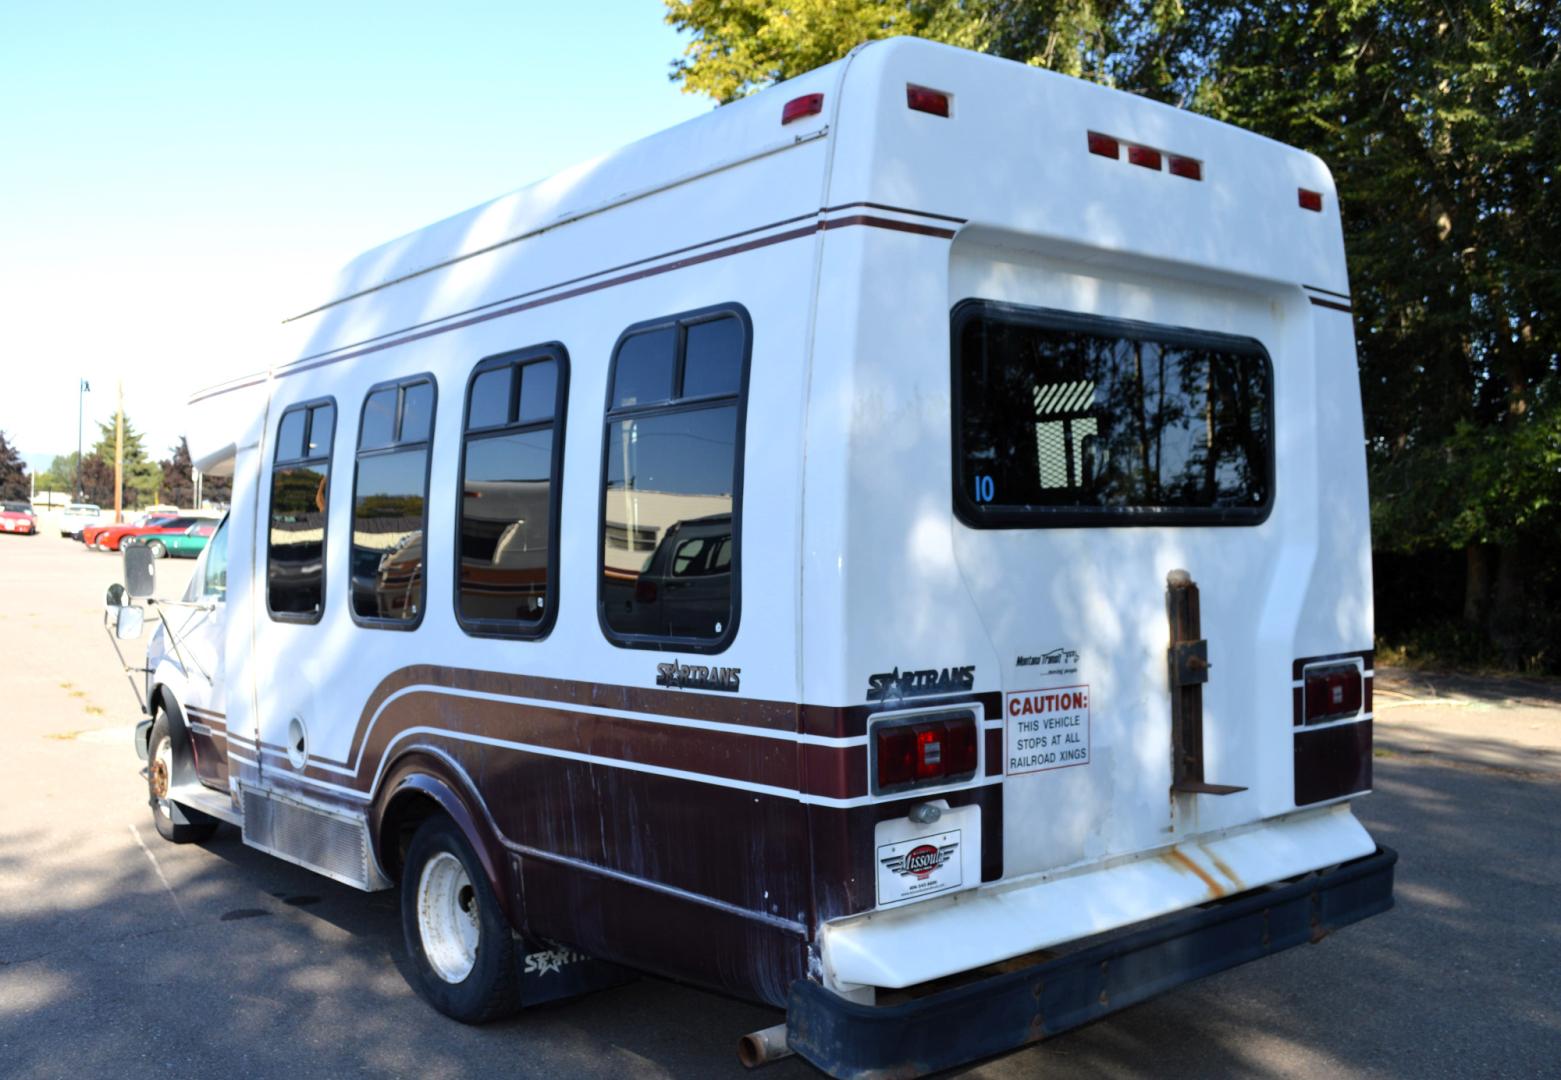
[{"x": 13, "y": 473}]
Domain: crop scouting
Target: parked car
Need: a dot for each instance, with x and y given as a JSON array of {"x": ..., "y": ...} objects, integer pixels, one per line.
[
  {"x": 187, "y": 544},
  {"x": 18, "y": 517},
  {"x": 91, "y": 534},
  {"x": 78, "y": 516},
  {"x": 110, "y": 538}
]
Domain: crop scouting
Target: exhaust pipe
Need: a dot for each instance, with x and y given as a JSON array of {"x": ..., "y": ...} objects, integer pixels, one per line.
[{"x": 762, "y": 1047}]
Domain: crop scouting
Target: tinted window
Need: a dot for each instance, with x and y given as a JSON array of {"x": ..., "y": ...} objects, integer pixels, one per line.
[
  {"x": 378, "y": 428},
  {"x": 1066, "y": 420},
  {"x": 290, "y": 435},
  {"x": 509, "y": 480},
  {"x": 300, "y": 496},
  {"x": 390, "y": 505},
  {"x": 322, "y": 429},
  {"x": 714, "y": 361},
  {"x": 669, "y": 536},
  {"x": 488, "y": 401},
  {"x": 643, "y": 368}
]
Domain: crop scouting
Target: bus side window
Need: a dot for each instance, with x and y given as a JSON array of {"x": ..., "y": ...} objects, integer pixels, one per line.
[
  {"x": 671, "y": 505},
  {"x": 300, "y": 500},
  {"x": 390, "y": 504},
  {"x": 511, "y": 457}
]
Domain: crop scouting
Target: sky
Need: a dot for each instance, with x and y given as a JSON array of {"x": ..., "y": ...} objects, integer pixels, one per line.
[{"x": 177, "y": 178}]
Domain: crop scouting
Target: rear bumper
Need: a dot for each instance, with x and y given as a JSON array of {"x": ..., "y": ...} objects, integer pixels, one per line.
[{"x": 1013, "y": 1009}]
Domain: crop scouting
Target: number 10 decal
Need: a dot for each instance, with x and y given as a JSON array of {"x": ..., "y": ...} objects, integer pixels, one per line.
[{"x": 985, "y": 489}]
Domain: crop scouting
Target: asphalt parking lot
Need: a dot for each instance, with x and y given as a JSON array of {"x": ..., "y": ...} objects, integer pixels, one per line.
[{"x": 124, "y": 956}]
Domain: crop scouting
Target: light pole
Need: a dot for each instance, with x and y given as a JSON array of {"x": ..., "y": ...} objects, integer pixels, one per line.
[{"x": 80, "y": 393}]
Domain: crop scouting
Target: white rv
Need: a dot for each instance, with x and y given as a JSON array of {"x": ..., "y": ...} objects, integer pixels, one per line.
[{"x": 907, "y": 527}]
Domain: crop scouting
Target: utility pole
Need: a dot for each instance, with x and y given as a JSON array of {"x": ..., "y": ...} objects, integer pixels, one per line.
[
  {"x": 81, "y": 391},
  {"x": 119, "y": 456}
]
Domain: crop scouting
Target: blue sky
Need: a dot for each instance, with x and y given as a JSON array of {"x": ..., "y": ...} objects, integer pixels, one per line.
[{"x": 174, "y": 176}]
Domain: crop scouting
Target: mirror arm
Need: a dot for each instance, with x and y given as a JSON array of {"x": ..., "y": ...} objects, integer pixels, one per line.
[
  {"x": 174, "y": 637},
  {"x": 134, "y": 689}
]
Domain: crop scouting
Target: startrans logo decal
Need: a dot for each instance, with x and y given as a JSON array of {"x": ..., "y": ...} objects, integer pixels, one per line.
[
  {"x": 698, "y": 677},
  {"x": 893, "y": 685}
]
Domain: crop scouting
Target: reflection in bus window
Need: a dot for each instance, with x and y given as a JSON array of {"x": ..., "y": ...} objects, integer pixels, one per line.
[
  {"x": 508, "y": 481},
  {"x": 300, "y": 496},
  {"x": 390, "y": 503},
  {"x": 668, "y": 535}
]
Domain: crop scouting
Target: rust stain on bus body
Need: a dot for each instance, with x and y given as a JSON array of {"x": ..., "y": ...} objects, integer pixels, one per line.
[{"x": 1179, "y": 860}]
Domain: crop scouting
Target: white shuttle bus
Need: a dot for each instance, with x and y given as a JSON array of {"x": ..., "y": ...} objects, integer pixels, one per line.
[{"x": 895, "y": 548}]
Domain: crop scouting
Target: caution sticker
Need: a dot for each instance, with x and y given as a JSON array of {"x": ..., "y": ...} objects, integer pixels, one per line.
[{"x": 1046, "y": 729}]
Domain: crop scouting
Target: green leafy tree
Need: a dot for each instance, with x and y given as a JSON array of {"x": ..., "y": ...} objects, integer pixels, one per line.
[
  {"x": 13, "y": 472},
  {"x": 61, "y": 475},
  {"x": 1440, "y": 123}
]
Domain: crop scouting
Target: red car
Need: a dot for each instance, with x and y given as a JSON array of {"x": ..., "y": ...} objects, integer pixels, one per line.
[
  {"x": 108, "y": 537},
  {"x": 17, "y": 517},
  {"x": 89, "y": 533}
]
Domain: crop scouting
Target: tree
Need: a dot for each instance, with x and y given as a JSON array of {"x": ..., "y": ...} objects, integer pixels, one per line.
[
  {"x": 178, "y": 479},
  {"x": 13, "y": 473},
  {"x": 61, "y": 475},
  {"x": 1441, "y": 126},
  {"x": 142, "y": 476}
]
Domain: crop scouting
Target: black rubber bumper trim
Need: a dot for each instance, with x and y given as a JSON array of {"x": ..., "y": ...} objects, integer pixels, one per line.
[{"x": 940, "y": 1031}]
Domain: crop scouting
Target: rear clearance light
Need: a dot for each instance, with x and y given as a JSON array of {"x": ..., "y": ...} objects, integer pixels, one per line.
[
  {"x": 1104, "y": 145},
  {"x": 1142, "y": 155},
  {"x": 1146, "y": 157},
  {"x": 923, "y": 751},
  {"x": 806, "y": 105},
  {"x": 1333, "y": 692},
  {"x": 921, "y": 99},
  {"x": 1310, "y": 200}
]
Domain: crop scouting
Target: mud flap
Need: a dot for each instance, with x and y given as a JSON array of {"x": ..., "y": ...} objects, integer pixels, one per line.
[{"x": 551, "y": 972}]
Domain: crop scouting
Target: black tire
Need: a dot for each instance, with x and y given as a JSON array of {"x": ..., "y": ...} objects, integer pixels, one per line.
[
  {"x": 157, "y": 548},
  {"x": 492, "y": 988},
  {"x": 158, "y": 778}
]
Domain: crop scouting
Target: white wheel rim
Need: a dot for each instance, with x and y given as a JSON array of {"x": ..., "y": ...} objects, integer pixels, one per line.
[
  {"x": 162, "y": 774},
  {"x": 447, "y": 917}
]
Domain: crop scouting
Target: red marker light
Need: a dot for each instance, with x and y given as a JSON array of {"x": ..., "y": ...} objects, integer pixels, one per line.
[
  {"x": 921, "y": 99},
  {"x": 1311, "y": 200},
  {"x": 1142, "y": 155},
  {"x": 806, "y": 105},
  {"x": 1104, "y": 145},
  {"x": 1184, "y": 166}
]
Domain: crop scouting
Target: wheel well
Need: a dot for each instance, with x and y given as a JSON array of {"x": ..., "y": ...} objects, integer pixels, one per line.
[{"x": 406, "y": 812}]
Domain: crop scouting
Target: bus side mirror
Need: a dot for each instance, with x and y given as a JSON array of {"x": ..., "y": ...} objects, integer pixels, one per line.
[
  {"x": 128, "y": 622},
  {"x": 116, "y": 596},
  {"x": 140, "y": 571}
]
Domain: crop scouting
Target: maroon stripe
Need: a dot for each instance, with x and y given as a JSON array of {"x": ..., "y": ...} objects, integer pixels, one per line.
[
  {"x": 568, "y": 294},
  {"x": 836, "y": 771},
  {"x": 886, "y": 223},
  {"x": 517, "y": 296},
  {"x": 1330, "y": 304},
  {"x": 994, "y": 752},
  {"x": 1330, "y": 292},
  {"x": 1332, "y": 762},
  {"x": 851, "y": 720},
  {"x": 896, "y": 209}
]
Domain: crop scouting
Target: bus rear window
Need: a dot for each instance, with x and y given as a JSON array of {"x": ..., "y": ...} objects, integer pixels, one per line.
[{"x": 1067, "y": 420}]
